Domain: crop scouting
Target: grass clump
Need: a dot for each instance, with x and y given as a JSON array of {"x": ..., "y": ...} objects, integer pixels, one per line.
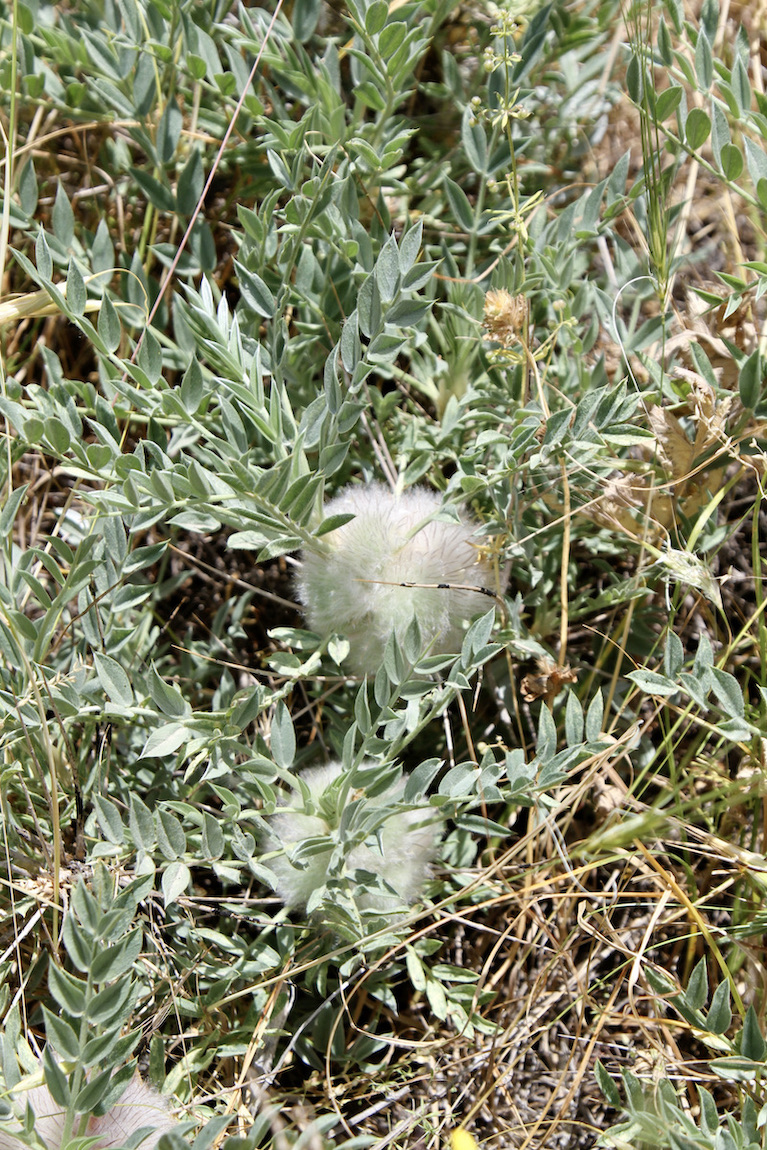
[{"x": 272, "y": 278}]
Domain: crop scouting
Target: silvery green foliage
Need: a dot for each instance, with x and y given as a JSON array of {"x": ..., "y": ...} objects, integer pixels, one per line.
[
  {"x": 236, "y": 417},
  {"x": 90, "y": 1088},
  {"x": 325, "y": 831},
  {"x": 351, "y": 581},
  {"x": 140, "y": 1108}
]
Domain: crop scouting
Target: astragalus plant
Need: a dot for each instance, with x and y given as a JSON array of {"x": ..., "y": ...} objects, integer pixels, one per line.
[{"x": 420, "y": 256}]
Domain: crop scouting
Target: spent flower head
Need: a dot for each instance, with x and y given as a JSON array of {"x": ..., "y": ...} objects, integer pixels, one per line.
[
  {"x": 505, "y": 316},
  {"x": 398, "y": 847},
  {"x": 353, "y": 584}
]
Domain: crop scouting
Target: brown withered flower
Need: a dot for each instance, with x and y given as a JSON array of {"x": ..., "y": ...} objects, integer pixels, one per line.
[{"x": 550, "y": 680}]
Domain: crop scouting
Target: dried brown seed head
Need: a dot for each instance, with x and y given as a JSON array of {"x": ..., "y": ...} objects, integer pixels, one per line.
[{"x": 505, "y": 316}]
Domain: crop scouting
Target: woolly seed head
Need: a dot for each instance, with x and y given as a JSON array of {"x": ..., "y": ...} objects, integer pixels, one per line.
[
  {"x": 393, "y": 539},
  {"x": 408, "y": 840},
  {"x": 139, "y": 1106}
]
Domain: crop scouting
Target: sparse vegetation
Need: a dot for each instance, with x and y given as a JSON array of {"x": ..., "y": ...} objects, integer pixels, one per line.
[{"x": 252, "y": 257}]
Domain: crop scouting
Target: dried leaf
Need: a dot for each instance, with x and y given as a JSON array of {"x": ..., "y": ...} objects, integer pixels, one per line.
[{"x": 675, "y": 451}]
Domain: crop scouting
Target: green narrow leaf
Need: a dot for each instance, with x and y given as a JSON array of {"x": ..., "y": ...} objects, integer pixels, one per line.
[
  {"x": 387, "y": 270},
  {"x": 55, "y": 1079},
  {"x": 175, "y": 879},
  {"x": 741, "y": 86},
  {"x": 419, "y": 275},
  {"x": 156, "y": 191},
  {"x": 350, "y": 346},
  {"x": 141, "y": 824},
  {"x": 170, "y": 835},
  {"x": 664, "y": 43},
  {"x": 720, "y": 132},
  {"x": 673, "y": 656},
  {"x": 462, "y": 210},
  {"x": 283, "y": 737},
  {"x": 696, "y": 993},
  {"x": 112, "y": 1004},
  {"x": 728, "y": 693},
  {"x": 108, "y": 325},
  {"x": 150, "y": 356},
  {"x": 190, "y": 183},
  {"x": 10, "y": 509},
  {"x": 305, "y": 15},
  {"x": 369, "y": 307},
  {"x": 750, "y": 381},
  {"x": 709, "y": 18},
  {"x": 68, "y": 991},
  {"x": 43, "y": 258},
  {"x": 607, "y": 1086},
  {"x": 573, "y": 720},
  {"x": 546, "y": 743},
  {"x": 62, "y": 218},
  {"x": 192, "y": 388},
  {"x": 595, "y": 718},
  {"x": 117, "y": 958},
  {"x": 61, "y": 1035},
  {"x": 408, "y": 312},
  {"x": 169, "y": 131},
  {"x": 437, "y": 998},
  {"x": 474, "y": 140},
  {"x": 255, "y": 293},
  {"x": 668, "y": 102},
  {"x": 28, "y": 191},
  {"x": 102, "y": 252},
  {"x": 91, "y": 1095},
  {"x": 79, "y": 947},
  {"x": 109, "y": 820},
  {"x": 704, "y": 62},
  {"x": 212, "y": 837},
  {"x": 113, "y": 679},
  {"x": 653, "y": 683},
  {"x": 166, "y": 696},
  {"x": 415, "y": 969},
  {"x": 635, "y": 79},
  {"x": 697, "y": 127},
  {"x": 109, "y": 1045},
  {"x": 616, "y": 184},
  {"x": 719, "y": 1015},
  {"x": 410, "y": 247},
  {"x": 752, "y": 1044},
  {"x": 164, "y": 741}
]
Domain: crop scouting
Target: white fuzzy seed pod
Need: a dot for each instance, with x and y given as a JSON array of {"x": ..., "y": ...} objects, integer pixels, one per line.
[
  {"x": 355, "y": 589},
  {"x": 408, "y": 841},
  {"x": 139, "y": 1106}
]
